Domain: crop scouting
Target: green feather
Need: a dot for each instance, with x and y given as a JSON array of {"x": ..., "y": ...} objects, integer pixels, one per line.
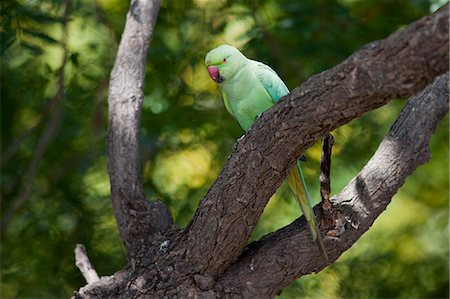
[
  {"x": 272, "y": 83},
  {"x": 227, "y": 105},
  {"x": 249, "y": 88}
]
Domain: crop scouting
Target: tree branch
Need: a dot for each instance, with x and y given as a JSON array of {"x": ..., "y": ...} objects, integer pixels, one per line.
[
  {"x": 325, "y": 168},
  {"x": 398, "y": 66},
  {"x": 198, "y": 262},
  {"x": 84, "y": 264},
  {"x": 137, "y": 218},
  {"x": 277, "y": 259}
]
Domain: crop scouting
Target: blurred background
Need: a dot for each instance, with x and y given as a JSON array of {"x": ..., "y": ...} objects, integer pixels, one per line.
[{"x": 55, "y": 65}]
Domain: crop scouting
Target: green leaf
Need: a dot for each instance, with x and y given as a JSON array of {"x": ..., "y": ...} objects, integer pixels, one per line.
[
  {"x": 40, "y": 35},
  {"x": 36, "y": 50}
]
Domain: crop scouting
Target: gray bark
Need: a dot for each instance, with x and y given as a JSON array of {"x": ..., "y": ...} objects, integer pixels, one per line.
[{"x": 136, "y": 217}]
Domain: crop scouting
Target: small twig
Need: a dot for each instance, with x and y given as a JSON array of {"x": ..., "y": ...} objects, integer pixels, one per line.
[
  {"x": 325, "y": 166},
  {"x": 83, "y": 263}
]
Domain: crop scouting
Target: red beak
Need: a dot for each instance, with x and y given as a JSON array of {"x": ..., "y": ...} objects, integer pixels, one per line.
[{"x": 214, "y": 73}]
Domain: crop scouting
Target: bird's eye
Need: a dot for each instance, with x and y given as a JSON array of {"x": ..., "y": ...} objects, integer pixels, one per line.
[{"x": 224, "y": 60}]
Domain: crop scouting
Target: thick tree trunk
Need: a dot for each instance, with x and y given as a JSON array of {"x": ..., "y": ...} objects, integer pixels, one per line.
[{"x": 209, "y": 258}]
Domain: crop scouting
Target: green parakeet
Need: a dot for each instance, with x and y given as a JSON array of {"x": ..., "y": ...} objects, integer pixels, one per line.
[{"x": 249, "y": 88}]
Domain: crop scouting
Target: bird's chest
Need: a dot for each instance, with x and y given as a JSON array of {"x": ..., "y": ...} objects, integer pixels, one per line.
[{"x": 247, "y": 100}]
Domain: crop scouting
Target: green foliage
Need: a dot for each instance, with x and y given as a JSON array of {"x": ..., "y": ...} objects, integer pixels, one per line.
[{"x": 186, "y": 136}]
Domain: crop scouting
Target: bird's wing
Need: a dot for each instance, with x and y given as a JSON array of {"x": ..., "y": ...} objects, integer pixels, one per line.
[{"x": 272, "y": 83}]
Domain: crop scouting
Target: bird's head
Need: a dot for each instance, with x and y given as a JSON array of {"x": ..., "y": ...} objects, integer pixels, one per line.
[{"x": 224, "y": 62}]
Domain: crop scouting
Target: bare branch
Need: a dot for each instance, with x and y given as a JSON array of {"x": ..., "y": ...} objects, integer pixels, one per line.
[
  {"x": 273, "y": 262},
  {"x": 137, "y": 218},
  {"x": 84, "y": 264},
  {"x": 400, "y": 65}
]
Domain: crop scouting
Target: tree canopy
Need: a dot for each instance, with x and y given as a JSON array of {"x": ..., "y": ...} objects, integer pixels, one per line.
[{"x": 55, "y": 66}]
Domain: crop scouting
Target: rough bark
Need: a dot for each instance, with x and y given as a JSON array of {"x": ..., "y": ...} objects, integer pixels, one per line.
[
  {"x": 398, "y": 66},
  {"x": 208, "y": 259},
  {"x": 325, "y": 170},
  {"x": 273, "y": 262}
]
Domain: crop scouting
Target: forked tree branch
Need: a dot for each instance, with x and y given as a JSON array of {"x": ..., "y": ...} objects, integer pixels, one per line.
[
  {"x": 272, "y": 263},
  {"x": 397, "y": 66},
  {"x": 198, "y": 262}
]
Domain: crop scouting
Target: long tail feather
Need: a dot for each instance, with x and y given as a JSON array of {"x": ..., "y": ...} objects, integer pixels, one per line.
[{"x": 298, "y": 187}]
